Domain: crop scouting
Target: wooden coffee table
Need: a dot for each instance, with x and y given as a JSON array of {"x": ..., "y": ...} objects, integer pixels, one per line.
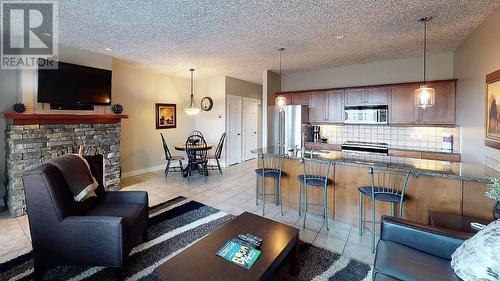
[{"x": 199, "y": 261}]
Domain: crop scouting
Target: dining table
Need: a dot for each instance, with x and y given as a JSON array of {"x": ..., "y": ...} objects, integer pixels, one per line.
[{"x": 194, "y": 166}]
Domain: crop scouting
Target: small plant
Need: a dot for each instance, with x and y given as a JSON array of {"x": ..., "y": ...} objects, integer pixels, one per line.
[
  {"x": 117, "y": 108},
  {"x": 19, "y": 107},
  {"x": 494, "y": 192}
]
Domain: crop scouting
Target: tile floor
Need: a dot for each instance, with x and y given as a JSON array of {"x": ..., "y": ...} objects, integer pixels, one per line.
[{"x": 234, "y": 193}]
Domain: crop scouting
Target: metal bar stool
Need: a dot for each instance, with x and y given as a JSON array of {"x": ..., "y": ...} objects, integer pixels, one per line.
[
  {"x": 316, "y": 173},
  {"x": 386, "y": 187},
  {"x": 270, "y": 167}
]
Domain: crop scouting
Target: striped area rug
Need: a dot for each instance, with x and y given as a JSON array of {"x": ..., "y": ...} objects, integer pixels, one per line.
[{"x": 174, "y": 226}]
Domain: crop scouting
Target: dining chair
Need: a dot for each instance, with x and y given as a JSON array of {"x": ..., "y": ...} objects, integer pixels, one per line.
[
  {"x": 218, "y": 151},
  {"x": 196, "y": 133},
  {"x": 169, "y": 157},
  {"x": 196, "y": 150},
  {"x": 316, "y": 172},
  {"x": 269, "y": 167},
  {"x": 386, "y": 186}
]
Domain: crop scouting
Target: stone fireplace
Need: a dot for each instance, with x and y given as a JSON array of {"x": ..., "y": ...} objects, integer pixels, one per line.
[{"x": 32, "y": 139}]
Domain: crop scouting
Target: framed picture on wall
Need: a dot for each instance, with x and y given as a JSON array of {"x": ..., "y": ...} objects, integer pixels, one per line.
[
  {"x": 166, "y": 116},
  {"x": 493, "y": 110}
]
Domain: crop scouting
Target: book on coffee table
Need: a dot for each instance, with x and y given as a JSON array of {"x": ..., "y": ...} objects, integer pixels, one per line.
[{"x": 239, "y": 254}]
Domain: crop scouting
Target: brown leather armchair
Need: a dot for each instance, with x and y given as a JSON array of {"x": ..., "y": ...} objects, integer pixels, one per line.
[{"x": 100, "y": 231}]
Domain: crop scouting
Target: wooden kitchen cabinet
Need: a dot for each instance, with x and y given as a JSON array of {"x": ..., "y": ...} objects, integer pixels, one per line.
[
  {"x": 300, "y": 98},
  {"x": 317, "y": 106},
  {"x": 377, "y": 96},
  {"x": 367, "y": 96},
  {"x": 355, "y": 97},
  {"x": 402, "y": 110},
  {"x": 335, "y": 106},
  {"x": 443, "y": 112}
]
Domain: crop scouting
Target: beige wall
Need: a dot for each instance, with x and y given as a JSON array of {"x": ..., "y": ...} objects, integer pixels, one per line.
[
  {"x": 138, "y": 90},
  {"x": 211, "y": 123},
  {"x": 270, "y": 85},
  {"x": 474, "y": 59},
  {"x": 439, "y": 66},
  {"x": 9, "y": 95}
]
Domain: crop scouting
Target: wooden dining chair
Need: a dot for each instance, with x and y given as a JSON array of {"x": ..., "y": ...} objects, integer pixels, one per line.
[
  {"x": 196, "y": 150},
  {"x": 169, "y": 157},
  {"x": 218, "y": 151}
]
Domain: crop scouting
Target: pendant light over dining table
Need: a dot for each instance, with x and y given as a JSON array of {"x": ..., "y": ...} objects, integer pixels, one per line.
[
  {"x": 280, "y": 99},
  {"x": 191, "y": 108},
  {"x": 425, "y": 96}
]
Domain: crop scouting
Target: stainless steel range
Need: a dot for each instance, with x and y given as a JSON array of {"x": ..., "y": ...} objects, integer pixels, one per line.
[{"x": 366, "y": 147}]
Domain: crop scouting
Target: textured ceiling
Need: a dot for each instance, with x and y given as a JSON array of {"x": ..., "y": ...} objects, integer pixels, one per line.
[{"x": 240, "y": 38}]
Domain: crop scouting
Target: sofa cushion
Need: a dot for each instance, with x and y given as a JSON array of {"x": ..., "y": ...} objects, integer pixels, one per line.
[
  {"x": 404, "y": 263},
  {"x": 478, "y": 258},
  {"x": 134, "y": 215},
  {"x": 378, "y": 276}
]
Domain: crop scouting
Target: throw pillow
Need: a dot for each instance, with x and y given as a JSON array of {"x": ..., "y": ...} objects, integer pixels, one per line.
[
  {"x": 76, "y": 172},
  {"x": 478, "y": 258}
]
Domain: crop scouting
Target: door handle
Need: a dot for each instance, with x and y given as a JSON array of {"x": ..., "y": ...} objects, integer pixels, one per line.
[{"x": 239, "y": 134}]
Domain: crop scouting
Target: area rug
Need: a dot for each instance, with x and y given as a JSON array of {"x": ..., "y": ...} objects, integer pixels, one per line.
[{"x": 174, "y": 226}]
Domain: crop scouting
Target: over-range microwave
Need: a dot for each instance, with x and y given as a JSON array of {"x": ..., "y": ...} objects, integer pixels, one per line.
[{"x": 366, "y": 114}]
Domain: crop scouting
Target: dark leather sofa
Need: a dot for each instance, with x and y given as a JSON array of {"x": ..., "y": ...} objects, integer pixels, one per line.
[
  {"x": 412, "y": 251},
  {"x": 99, "y": 231}
]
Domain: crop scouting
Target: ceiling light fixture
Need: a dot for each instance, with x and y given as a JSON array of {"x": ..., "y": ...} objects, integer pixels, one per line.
[
  {"x": 339, "y": 37},
  {"x": 191, "y": 109},
  {"x": 280, "y": 99},
  {"x": 425, "y": 96},
  {"x": 108, "y": 49}
]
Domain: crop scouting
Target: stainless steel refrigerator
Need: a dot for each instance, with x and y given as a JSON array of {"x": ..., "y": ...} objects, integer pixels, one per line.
[{"x": 285, "y": 126}]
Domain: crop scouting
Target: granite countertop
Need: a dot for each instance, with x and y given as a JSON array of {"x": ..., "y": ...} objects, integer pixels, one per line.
[
  {"x": 421, "y": 167},
  {"x": 392, "y": 147}
]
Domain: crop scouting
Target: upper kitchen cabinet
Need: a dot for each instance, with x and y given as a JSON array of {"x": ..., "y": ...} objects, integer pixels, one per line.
[
  {"x": 355, "y": 96},
  {"x": 366, "y": 96},
  {"x": 335, "y": 105},
  {"x": 377, "y": 96},
  {"x": 317, "y": 106},
  {"x": 443, "y": 111},
  {"x": 402, "y": 109},
  {"x": 300, "y": 98}
]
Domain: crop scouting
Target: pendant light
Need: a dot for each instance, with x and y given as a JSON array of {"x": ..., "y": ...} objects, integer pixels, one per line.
[
  {"x": 425, "y": 96},
  {"x": 280, "y": 99},
  {"x": 191, "y": 109}
]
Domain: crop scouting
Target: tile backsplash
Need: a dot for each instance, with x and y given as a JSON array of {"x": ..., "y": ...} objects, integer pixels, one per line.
[{"x": 422, "y": 138}]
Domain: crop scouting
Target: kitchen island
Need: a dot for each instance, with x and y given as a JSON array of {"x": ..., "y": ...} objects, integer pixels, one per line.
[{"x": 435, "y": 185}]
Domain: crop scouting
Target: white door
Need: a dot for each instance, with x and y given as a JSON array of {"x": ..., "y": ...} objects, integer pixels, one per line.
[
  {"x": 234, "y": 131},
  {"x": 250, "y": 123}
]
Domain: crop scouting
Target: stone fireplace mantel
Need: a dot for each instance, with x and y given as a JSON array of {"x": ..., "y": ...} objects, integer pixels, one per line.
[{"x": 32, "y": 139}]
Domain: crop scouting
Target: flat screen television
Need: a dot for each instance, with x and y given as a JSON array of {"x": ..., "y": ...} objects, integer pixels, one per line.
[{"x": 72, "y": 85}]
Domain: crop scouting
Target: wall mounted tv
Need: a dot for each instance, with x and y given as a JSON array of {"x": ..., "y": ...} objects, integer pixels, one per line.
[{"x": 74, "y": 86}]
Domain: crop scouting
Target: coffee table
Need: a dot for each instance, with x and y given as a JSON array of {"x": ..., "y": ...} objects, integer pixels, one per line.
[{"x": 199, "y": 261}]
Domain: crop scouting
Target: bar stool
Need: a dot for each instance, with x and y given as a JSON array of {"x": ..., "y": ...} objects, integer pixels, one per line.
[
  {"x": 385, "y": 187},
  {"x": 270, "y": 167},
  {"x": 315, "y": 174}
]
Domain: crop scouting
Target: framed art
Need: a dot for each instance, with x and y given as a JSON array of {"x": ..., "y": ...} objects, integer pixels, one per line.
[
  {"x": 166, "y": 116},
  {"x": 493, "y": 110}
]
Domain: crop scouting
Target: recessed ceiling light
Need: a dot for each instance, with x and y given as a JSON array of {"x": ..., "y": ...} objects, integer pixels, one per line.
[
  {"x": 339, "y": 37},
  {"x": 108, "y": 49}
]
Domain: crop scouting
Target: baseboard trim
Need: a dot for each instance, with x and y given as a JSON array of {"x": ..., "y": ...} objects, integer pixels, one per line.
[{"x": 143, "y": 171}]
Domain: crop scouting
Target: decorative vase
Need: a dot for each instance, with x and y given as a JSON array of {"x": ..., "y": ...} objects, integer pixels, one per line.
[
  {"x": 19, "y": 107},
  {"x": 117, "y": 108},
  {"x": 496, "y": 210}
]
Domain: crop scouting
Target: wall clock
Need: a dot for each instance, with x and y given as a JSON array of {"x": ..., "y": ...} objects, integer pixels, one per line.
[{"x": 207, "y": 103}]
